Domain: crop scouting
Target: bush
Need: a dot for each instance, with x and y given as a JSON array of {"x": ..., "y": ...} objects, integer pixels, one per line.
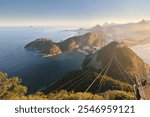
[
  {"x": 11, "y": 88},
  {"x": 65, "y": 95},
  {"x": 118, "y": 95}
]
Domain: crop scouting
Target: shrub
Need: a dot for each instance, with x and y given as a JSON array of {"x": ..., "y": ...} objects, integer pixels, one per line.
[
  {"x": 118, "y": 95},
  {"x": 11, "y": 88}
]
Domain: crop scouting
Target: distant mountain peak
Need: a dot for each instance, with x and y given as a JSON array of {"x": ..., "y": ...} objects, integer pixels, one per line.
[
  {"x": 143, "y": 21},
  {"x": 96, "y": 28},
  {"x": 97, "y": 25}
]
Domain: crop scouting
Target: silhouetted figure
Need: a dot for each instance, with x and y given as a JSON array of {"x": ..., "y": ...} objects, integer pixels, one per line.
[{"x": 137, "y": 92}]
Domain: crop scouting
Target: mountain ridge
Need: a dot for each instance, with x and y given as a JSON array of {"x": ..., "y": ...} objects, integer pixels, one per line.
[
  {"x": 48, "y": 47},
  {"x": 128, "y": 61}
]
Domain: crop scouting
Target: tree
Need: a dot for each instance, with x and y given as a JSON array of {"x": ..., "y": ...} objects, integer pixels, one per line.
[{"x": 11, "y": 88}]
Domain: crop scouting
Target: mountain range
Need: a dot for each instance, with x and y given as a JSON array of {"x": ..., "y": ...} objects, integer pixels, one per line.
[
  {"x": 91, "y": 39},
  {"x": 84, "y": 42}
]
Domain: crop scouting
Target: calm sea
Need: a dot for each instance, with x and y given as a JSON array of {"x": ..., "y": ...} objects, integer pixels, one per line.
[{"x": 34, "y": 70}]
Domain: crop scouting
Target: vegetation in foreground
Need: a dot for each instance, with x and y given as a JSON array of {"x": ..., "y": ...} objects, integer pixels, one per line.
[{"x": 11, "y": 89}]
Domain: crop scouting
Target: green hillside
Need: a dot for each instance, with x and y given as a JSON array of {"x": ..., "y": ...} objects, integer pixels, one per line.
[{"x": 11, "y": 89}]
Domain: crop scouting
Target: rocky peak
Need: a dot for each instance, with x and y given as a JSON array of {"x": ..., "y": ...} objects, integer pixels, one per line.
[{"x": 143, "y": 22}]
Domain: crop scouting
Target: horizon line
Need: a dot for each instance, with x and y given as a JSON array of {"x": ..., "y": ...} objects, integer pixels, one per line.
[{"x": 49, "y": 25}]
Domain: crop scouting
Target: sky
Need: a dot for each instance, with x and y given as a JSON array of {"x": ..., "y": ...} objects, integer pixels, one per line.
[{"x": 71, "y": 12}]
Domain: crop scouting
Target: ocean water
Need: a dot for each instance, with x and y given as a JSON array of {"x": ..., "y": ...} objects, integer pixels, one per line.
[{"x": 35, "y": 71}]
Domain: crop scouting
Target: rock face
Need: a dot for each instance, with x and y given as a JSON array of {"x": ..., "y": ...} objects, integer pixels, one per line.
[
  {"x": 125, "y": 64},
  {"x": 48, "y": 47}
]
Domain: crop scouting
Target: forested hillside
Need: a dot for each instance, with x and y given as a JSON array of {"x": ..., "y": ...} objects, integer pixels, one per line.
[{"x": 11, "y": 88}]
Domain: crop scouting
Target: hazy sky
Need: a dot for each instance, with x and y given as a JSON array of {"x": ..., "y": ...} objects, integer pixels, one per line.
[{"x": 71, "y": 12}]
